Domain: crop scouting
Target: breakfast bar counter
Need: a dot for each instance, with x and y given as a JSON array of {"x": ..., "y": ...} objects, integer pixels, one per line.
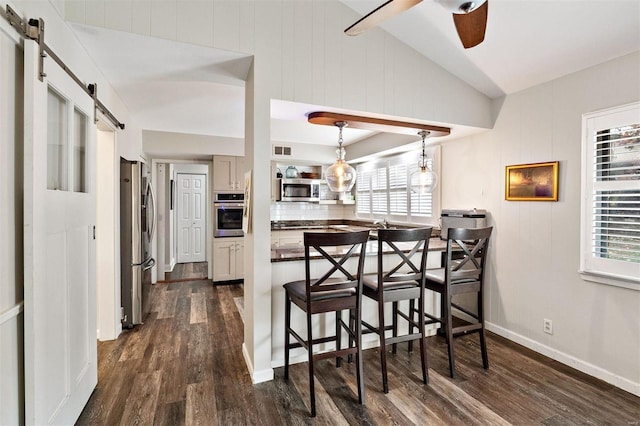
[{"x": 287, "y": 264}]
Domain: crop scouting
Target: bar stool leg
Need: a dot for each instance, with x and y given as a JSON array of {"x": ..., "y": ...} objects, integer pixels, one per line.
[
  {"x": 359, "y": 368},
  {"x": 287, "y": 325},
  {"x": 394, "y": 326},
  {"x": 383, "y": 346},
  {"x": 421, "y": 328},
  {"x": 312, "y": 390},
  {"x": 412, "y": 304},
  {"x": 338, "y": 338},
  {"x": 449, "y": 332}
]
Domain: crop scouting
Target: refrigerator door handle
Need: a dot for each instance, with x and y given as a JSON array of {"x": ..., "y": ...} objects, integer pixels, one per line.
[{"x": 153, "y": 224}]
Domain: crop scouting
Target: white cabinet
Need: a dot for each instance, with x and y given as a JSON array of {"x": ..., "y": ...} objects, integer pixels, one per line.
[
  {"x": 228, "y": 173},
  {"x": 287, "y": 238},
  {"x": 228, "y": 259}
]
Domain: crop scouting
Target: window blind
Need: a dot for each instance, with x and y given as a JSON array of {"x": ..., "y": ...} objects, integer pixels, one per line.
[
  {"x": 383, "y": 189},
  {"x": 616, "y": 212}
]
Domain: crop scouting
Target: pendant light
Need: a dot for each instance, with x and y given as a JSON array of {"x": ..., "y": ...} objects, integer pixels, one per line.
[
  {"x": 423, "y": 180},
  {"x": 340, "y": 176}
]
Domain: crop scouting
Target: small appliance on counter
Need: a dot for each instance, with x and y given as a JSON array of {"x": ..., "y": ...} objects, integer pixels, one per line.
[{"x": 450, "y": 218}]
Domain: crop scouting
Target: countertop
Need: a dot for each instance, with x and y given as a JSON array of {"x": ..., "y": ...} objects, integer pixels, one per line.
[{"x": 292, "y": 252}]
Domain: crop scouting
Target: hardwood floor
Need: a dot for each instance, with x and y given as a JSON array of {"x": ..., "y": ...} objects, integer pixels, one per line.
[
  {"x": 185, "y": 366},
  {"x": 187, "y": 272}
]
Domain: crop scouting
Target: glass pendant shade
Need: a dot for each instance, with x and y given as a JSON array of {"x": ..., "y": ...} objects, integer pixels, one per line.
[
  {"x": 340, "y": 176},
  {"x": 424, "y": 180}
]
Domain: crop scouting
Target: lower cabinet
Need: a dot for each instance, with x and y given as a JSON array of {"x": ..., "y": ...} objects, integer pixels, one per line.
[{"x": 228, "y": 259}]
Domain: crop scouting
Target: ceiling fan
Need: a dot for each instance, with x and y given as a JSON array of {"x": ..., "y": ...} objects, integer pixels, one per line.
[{"x": 470, "y": 18}]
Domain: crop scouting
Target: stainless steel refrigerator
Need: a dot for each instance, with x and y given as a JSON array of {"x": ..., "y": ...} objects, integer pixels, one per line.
[{"x": 137, "y": 227}]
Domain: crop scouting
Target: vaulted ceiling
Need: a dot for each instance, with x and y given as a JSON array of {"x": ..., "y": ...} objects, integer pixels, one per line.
[{"x": 527, "y": 43}]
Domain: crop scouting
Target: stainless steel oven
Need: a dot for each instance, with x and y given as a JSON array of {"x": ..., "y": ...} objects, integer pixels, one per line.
[{"x": 228, "y": 209}]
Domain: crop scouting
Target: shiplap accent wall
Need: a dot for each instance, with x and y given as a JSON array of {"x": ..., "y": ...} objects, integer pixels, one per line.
[
  {"x": 535, "y": 250},
  {"x": 305, "y": 55}
]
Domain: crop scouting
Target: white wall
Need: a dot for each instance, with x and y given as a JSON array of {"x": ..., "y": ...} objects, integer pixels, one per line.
[
  {"x": 536, "y": 245},
  {"x": 189, "y": 146}
]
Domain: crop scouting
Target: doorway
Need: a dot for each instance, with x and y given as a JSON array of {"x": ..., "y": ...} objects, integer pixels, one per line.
[{"x": 107, "y": 242}]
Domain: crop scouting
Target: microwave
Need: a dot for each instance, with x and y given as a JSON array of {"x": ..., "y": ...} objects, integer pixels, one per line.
[{"x": 299, "y": 189}]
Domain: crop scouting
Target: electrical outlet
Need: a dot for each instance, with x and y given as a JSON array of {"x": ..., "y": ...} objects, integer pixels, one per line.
[{"x": 548, "y": 326}]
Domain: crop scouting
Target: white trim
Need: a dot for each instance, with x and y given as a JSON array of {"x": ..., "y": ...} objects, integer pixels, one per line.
[
  {"x": 623, "y": 282},
  {"x": 265, "y": 375},
  {"x": 12, "y": 312},
  {"x": 590, "y": 369}
]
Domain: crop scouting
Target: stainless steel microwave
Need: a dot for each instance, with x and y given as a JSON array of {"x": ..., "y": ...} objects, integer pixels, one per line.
[{"x": 299, "y": 189}]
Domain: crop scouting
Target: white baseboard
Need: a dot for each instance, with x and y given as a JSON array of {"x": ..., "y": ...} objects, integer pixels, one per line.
[
  {"x": 578, "y": 364},
  {"x": 256, "y": 376}
]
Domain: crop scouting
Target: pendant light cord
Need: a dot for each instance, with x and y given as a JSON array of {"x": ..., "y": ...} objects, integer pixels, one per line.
[{"x": 424, "y": 134}]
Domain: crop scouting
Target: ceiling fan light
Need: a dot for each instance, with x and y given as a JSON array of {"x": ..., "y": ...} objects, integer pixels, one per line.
[{"x": 461, "y": 6}]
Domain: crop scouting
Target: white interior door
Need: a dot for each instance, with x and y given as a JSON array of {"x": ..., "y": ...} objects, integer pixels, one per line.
[
  {"x": 59, "y": 246},
  {"x": 192, "y": 236}
]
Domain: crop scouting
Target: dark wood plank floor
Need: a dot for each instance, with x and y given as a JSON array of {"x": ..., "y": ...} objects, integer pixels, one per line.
[
  {"x": 187, "y": 271},
  {"x": 185, "y": 366}
]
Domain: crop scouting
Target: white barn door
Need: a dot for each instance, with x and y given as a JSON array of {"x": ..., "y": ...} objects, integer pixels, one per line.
[
  {"x": 192, "y": 213},
  {"x": 59, "y": 246}
]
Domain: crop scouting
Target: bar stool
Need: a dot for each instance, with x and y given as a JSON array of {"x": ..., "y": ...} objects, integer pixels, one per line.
[
  {"x": 403, "y": 281},
  {"x": 463, "y": 273},
  {"x": 329, "y": 294}
]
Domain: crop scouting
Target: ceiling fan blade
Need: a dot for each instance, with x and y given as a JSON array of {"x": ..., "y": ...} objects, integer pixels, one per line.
[
  {"x": 472, "y": 26},
  {"x": 383, "y": 12}
]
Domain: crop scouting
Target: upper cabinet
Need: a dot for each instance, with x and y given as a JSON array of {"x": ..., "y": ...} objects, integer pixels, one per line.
[{"x": 228, "y": 173}]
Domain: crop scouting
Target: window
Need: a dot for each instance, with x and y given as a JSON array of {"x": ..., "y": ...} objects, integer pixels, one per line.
[
  {"x": 67, "y": 134},
  {"x": 610, "y": 247},
  {"x": 383, "y": 190}
]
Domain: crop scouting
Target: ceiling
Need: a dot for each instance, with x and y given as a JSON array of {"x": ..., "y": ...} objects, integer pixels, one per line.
[{"x": 168, "y": 86}]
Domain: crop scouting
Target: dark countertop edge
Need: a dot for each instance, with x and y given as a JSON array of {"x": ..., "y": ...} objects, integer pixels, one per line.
[
  {"x": 289, "y": 225},
  {"x": 435, "y": 244}
]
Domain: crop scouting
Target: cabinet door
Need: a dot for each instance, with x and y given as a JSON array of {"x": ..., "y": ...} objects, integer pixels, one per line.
[
  {"x": 291, "y": 238},
  {"x": 239, "y": 173},
  {"x": 224, "y": 173},
  {"x": 224, "y": 260},
  {"x": 240, "y": 260}
]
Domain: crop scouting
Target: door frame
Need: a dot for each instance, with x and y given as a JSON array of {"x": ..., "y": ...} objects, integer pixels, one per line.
[
  {"x": 108, "y": 293},
  {"x": 189, "y": 167}
]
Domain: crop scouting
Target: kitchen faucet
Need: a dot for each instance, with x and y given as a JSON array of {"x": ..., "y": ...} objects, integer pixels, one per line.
[{"x": 382, "y": 223}]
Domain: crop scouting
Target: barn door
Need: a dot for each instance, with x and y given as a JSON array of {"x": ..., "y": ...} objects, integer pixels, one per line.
[{"x": 59, "y": 245}]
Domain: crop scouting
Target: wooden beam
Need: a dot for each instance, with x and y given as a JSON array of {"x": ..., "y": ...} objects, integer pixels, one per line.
[{"x": 376, "y": 124}]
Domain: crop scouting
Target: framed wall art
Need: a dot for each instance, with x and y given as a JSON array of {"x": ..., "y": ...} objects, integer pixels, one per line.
[{"x": 532, "y": 182}]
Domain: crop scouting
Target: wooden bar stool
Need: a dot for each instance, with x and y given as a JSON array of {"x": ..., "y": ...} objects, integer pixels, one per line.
[
  {"x": 329, "y": 294},
  {"x": 405, "y": 280},
  {"x": 463, "y": 273}
]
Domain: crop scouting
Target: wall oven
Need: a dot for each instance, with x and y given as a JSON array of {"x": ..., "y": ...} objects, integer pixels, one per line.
[{"x": 228, "y": 209}]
